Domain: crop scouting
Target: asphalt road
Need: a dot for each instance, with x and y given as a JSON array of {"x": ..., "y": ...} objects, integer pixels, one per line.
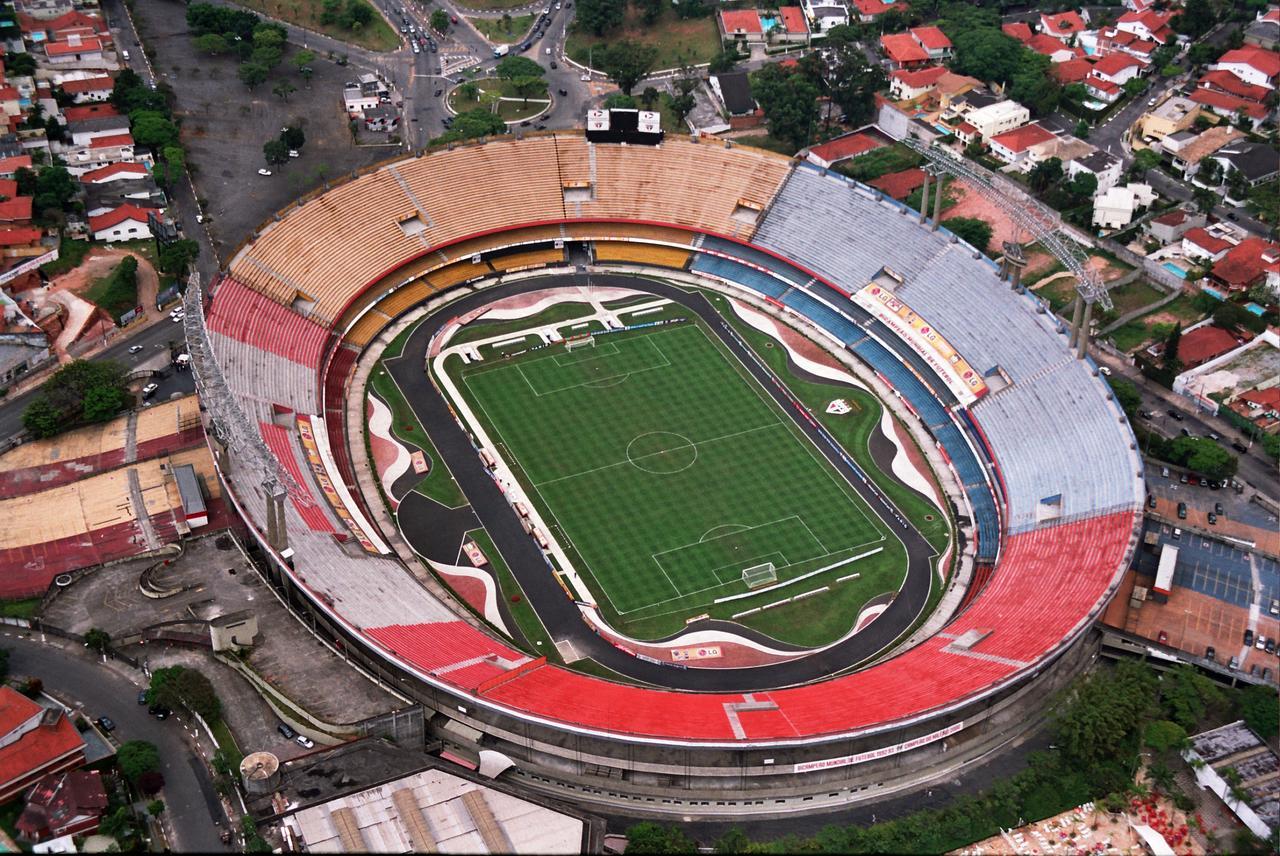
[
  {"x": 191, "y": 803},
  {"x": 524, "y": 558}
]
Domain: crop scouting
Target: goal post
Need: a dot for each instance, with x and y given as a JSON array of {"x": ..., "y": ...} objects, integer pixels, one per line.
[
  {"x": 759, "y": 575},
  {"x": 586, "y": 340}
]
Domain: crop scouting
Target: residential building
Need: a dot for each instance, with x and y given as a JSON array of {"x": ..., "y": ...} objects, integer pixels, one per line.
[
  {"x": 84, "y": 90},
  {"x": 1264, "y": 32},
  {"x": 899, "y": 185},
  {"x": 825, "y": 14},
  {"x": 830, "y": 153},
  {"x": 381, "y": 117},
  {"x": 114, "y": 172},
  {"x": 1186, "y": 152},
  {"x": 997, "y": 118},
  {"x": 1148, "y": 24},
  {"x": 869, "y": 10},
  {"x": 1064, "y": 26},
  {"x": 1207, "y": 243},
  {"x": 1245, "y": 265},
  {"x": 1019, "y": 30},
  {"x": 125, "y": 223},
  {"x": 11, "y": 164},
  {"x": 1056, "y": 50},
  {"x": 1251, "y": 64},
  {"x": 1111, "y": 40},
  {"x": 933, "y": 40},
  {"x": 905, "y": 85},
  {"x": 1072, "y": 71},
  {"x": 1172, "y": 225},
  {"x": 1230, "y": 106},
  {"x": 1065, "y": 149},
  {"x": 741, "y": 24},
  {"x": 903, "y": 51},
  {"x": 34, "y": 742},
  {"x": 1119, "y": 68},
  {"x": 792, "y": 26},
  {"x": 1116, "y": 207},
  {"x": 69, "y": 803},
  {"x": 16, "y": 211},
  {"x": 733, "y": 91},
  {"x": 1257, "y": 163},
  {"x": 76, "y": 49},
  {"x": 1102, "y": 89},
  {"x": 84, "y": 131},
  {"x": 1012, "y": 147},
  {"x": 107, "y": 196},
  {"x": 369, "y": 91},
  {"x": 1171, "y": 116},
  {"x": 1262, "y": 403},
  {"x": 1103, "y": 166},
  {"x": 1204, "y": 343}
]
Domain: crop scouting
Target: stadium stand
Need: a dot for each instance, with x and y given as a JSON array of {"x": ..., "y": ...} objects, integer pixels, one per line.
[
  {"x": 246, "y": 316},
  {"x": 368, "y": 326},
  {"x": 623, "y": 231},
  {"x": 526, "y": 259},
  {"x": 281, "y": 443},
  {"x": 749, "y": 254},
  {"x": 824, "y": 316},
  {"x": 264, "y": 379},
  {"x": 403, "y": 298},
  {"x": 732, "y": 271},
  {"x": 641, "y": 254},
  {"x": 455, "y": 273}
]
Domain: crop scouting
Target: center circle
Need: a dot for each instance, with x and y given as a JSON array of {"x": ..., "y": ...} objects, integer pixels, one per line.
[{"x": 662, "y": 452}]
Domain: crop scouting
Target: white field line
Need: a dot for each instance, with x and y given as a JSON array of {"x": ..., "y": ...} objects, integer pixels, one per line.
[{"x": 821, "y": 570}]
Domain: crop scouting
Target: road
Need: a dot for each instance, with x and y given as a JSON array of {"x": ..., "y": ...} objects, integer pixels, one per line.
[{"x": 191, "y": 804}]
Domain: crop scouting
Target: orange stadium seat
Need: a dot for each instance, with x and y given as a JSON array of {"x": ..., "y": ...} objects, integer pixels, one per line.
[{"x": 643, "y": 254}]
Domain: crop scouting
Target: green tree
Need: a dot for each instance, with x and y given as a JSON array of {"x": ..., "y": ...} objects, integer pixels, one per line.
[
  {"x": 155, "y": 808},
  {"x": 511, "y": 67},
  {"x": 649, "y": 98},
  {"x": 102, "y": 403},
  {"x": 472, "y": 124},
  {"x": 468, "y": 92},
  {"x": 734, "y": 840},
  {"x": 118, "y": 824},
  {"x": 600, "y": 17},
  {"x": 1186, "y": 696},
  {"x": 1144, "y": 160},
  {"x": 97, "y": 640},
  {"x": 1260, "y": 711},
  {"x": 618, "y": 101},
  {"x": 189, "y": 689},
  {"x": 1163, "y": 735},
  {"x": 252, "y": 74},
  {"x": 1082, "y": 127},
  {"x": 1206, "y": 200},
  {"x": 293, "y": 137},
  {"x": 440, "y": 21},
  {"x": 1104, "y": 711},
  {"x": 1045, "y": 174},
  {"x": 1135, "y": 87},
  {"x": 152, "y": 128},
  {"x": 529, "y": 87},
  {"x": 976, "y": 232},
  {"x": 724, "y": 60},
  {"x": 1127, "y": 395},
  {"x": 275, "y": 151},
  {"x": 42, "y": 418},
  {"x": 1033, "y": 83},
  {"x": 211, "y": 44},
  {"x": 1195, "y": 19},
  {"x": 681, "y": 106},
  {"x": 656, "y": 838},
  {"x": 626, "y": 62},
  {"x": 174, "y": 258},
  {"x": 1083, "y": 185},
  {"x": 1202, "y": 53},
  {"x": 283, "y": 90},
  {"x": 789, "y": 102},
  {"x": 302, "y": 61},
  {"x": 986, "y": 54},
  {"x": 19, "y": 64},
  {"x": 1204, "y": 456},
  {"x": 1170, "y": 355},
  {"x": 137, "y": 757},
  {"x": 852, "y": 82}
]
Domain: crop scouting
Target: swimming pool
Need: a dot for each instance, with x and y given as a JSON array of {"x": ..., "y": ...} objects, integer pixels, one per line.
[
  {"x": 1174, "y": 269},
  {"x": 768, "y": 24},
  {"x": 1213, "y": 292},
  {"x": 1255, "y": 309}
]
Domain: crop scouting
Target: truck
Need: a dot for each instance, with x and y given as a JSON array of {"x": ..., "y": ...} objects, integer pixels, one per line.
[
  {"x": 501, "y": 50},
  {"x": 1164, "y": 574}
]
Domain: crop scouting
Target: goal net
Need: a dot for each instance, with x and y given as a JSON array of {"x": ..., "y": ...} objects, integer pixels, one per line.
[
  {"x": 587, "y": 340},
  {"x": 758, "y": 575}
]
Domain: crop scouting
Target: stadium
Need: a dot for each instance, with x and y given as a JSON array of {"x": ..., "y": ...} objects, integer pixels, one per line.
[{"x": 619, "y": 361}]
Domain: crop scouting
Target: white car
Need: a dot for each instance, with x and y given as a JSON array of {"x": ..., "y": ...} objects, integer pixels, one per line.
[
  {"x": 178, "y": 316},
  {"x": 133, "y": 349},
  {"x": 150, "y": 390},
  {"x": 1105, "y": 371},
  {"x": 304, "y": 741},
  {"x": 199, "y": 218},
  {"x": 293, "y": 153},
  {"x": 264, "y": 171}
]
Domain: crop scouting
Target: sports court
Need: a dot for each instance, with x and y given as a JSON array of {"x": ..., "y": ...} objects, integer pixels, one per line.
[{"x": 665, "y": 467}]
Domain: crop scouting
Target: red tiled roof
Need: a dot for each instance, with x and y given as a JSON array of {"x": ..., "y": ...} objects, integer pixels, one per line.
[
  {"x": 1172, "y": 218},
  {"x": 1072, "y": 71},
  {"x": 900, "y": 184},
  {"x": 37, "y": 748},
  {"x": 1245, "y": 263},
  {"x": 1101, "y": 84},
  {"x": 1063, "y": 22},
  {"x": 89, "y": 111},
  {"x": 1157, "y": 23},
  {"x": 15, "y": 709},
  {"x": 1114, "y": 63},
  {"x": 110, "y": 140},
  {"x": 920, "y": 77},
  {"x": 67, "y": 48},
  {"x": 113, "y": 169},
  {"x": 1047, "y": 45},
  {"x": 793, "y": 19},
  {"x": 741, "y": 20},
  {"x": 1018, "y": 30},
  {"x": 847, "y": 146},
  {"x": 1268, "y": 398},
  {"x": 19, "y": 237},
  {"x": 89, "y": 84},
  {"x": 8, "y": 187},
  {"x": 1202, "y": 238},
  {"x": 901, "y": 48},
  {"x": 16, "y": 209},
  {"x": 1230, "y": 103},
  {"x": 1222, "y": 79},
  {"x": 931, "y": 37},
  {"x": 1267, "y": 62},
  {"x": 75, "y": 19},
  {"x": 12, "y": 164},
  {"x": 9, "y": 93},
  {"x": 871, "y": 8},
  {"x": 1021, "y": 139},
  {"x": 117, "y": 216},
  {"x": 966, "y": 129},
  {"x": 1203, "y": 344}
]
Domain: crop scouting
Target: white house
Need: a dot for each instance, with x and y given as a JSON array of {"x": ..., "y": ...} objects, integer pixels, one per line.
[
  {"x": 1252, "y": 65},
  {"x": 1013, "y": 147},
  {"x": 1147, "y": 24},
  {"x": 1103, "y": 166},
  {"x": 1114, "y": 208},
  {"x": 998, "y": 118},
  {"x": 126, "y": 223},
  {"x": 825, "y": 14},
  {"x": 1119, "y": 68}
]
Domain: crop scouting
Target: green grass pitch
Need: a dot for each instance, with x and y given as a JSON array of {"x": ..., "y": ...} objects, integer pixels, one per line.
[{"x": 666, "y": 469}]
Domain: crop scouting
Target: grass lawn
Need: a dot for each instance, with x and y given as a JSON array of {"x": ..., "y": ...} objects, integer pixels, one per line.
[
  {"x": 1155, "y": 325},
  {"x": 881, "y": 161},
  {"x": 378, "y": 36},
  {"x": 1059, "y": 293},
  {"x": 501, "y": 31},
  {"x": 114, "y": 294},
  {"x": 70, "y": 255},
  {"x": 513, "y": 595},
  {"x": 26, "y": 608},
  {"x": 1043, "y": 273},
  {"x": 227, "y": 741},
  {"x": 508, "y": 110},
  {"x": 1134, "y": 295},
  {"x": 765, "y": 141},
  {"x": 438, "y": 483},
  {"x": 665, "y": 471},
  {"x": 679, "y": 41},
  {"x": 482, "y": 329}
]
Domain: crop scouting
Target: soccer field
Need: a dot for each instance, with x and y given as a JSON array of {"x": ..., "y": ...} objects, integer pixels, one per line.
[{"x": 665, "y": 470}]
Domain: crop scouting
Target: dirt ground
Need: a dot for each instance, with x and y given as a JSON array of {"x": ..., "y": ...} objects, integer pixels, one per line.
[
  {"x": 970, "y": 203},
  {"x": 68, "y": 289}
]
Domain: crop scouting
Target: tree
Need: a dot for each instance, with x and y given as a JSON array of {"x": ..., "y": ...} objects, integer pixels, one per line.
[
  {"x": 1033, "y": 84},
  {"x": 1186, "y": 696},
  {"x": 1104, "y": 712},
  {"x": 252, "y": 74},
  {"x": 118, "y": 824},
  {"x": 1163, "y": 735},
  {"x": 976, "y": 232},
  {"x": 1195, "y": 19},
  {"x": 852, "y": 82},
  {"x": 626, "y": 62},
  {"x": 1202, "y": 53},
  {"x": 468, "y": 92},
  {"x": 42, "y": 418},
  {"x": 1144, "y": 160},
  {"x": 734, "y": 840},
  {"x": 284, "y": 89},
  {"x": 529, "y": 86},
  {"x": 1083, "y": 186},
  {"x": 1206, "y": 200},
  {"x": 1258, "y": 707},
  {"x": 440, "y": 21},
  {"x": 211, "y": 44},
  {"x": 1203, "y": 456},
  {"x": 137, "y": 757},
  {"x": 681, "y": 106},
  {"x": 275, "y": 151},
  {"x": 155, "y": 808},
  {"x": 650, "y": 10},
  {"x": 19, "y": 64},
  {"x": 1135, "y": 86},
  {"x": 180, "y": 687},
  {"x": 102, "y": 403},
  {"x": 1126, "y": 393},
  {"x": 1082, "y": 127},
  {"x": 649, "y": 97},
  {"x": 174, "y": 258},
  {"x": 152, "y": 128},
  {"x": 60, "y": 404},
  {"x": 293, "y": 137},
  {"x": 302, "y": 62},
  {"x": 1044, "y": 174},
  {"x": 789, "y": 102},
  {"x": 986, "y": 54},
  {"x": 600, "y": 17},
  {"x": 655, "y": 838},
  {"x": 723, "y": 61},
  {"x": 473, "y": 123},
  {"x": 618, "y": 101},
  {"x": 512, "y": 67}
]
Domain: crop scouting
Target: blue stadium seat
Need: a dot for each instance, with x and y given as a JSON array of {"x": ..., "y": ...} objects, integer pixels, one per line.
[
  {"x": 739, "y": 273},
  {"x": 824, "y": 316}
]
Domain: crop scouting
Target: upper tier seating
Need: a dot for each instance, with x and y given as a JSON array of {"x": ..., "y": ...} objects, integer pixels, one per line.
[
  {"x": 246, "y": 316},
  {"x": 262, "y": 379}
]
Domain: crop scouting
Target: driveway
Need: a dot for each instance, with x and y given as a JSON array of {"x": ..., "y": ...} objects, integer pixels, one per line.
[{"x": 192, "y": 806}]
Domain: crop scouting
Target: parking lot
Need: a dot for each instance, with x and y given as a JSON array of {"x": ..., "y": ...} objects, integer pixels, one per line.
[{"x": 1213, "y": 567}]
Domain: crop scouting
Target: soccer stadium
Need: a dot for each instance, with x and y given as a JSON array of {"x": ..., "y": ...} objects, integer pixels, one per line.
[{"x": 683, "y": 478}]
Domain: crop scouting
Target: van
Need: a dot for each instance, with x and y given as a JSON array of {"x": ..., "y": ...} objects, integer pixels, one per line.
[
  {"x": 125, "y": 55},
  {"x": 501, "y": 50}
]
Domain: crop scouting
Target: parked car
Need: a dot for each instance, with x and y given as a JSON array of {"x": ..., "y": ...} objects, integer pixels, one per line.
[
  {"x": 1239, "y": 447},
  {"x": 1105, "y": 370},
  {"x": 133, "y": 349},
  {"x": 1164, "y": 472},
  {"x": 1210, "y": 654},
  {"x": 304, "y": 741},
  {"x": 106, "y": 724},
  {"x": 1217, "y": 508},
  {"x": 1163, "y": 638},
  {"x": 1213, "y": 436},
  {"x": 1271, "y": 646},
  {"x": 1213, "y": 519},
  {"x": 563, "y": 91},
  {"x": 1175, "y": 415},
  {"x": 1248, "y": 636},
  {"x": 159, "y": 711},
  {"x": 1183, "y": 478},
  {"x": 1182, "y": 511},
  {"x": 294, "y": 153},
  {"x": 264, "y": 171},
  {"x": 1234, "y": 663},
  {"x": 1151, "y": 500},
  {"x": 554, "y": 64},
  {"x": 150, "y": 390},
  {"x": 142, "y": 696},
  {"x": 286, "y": 732}
]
